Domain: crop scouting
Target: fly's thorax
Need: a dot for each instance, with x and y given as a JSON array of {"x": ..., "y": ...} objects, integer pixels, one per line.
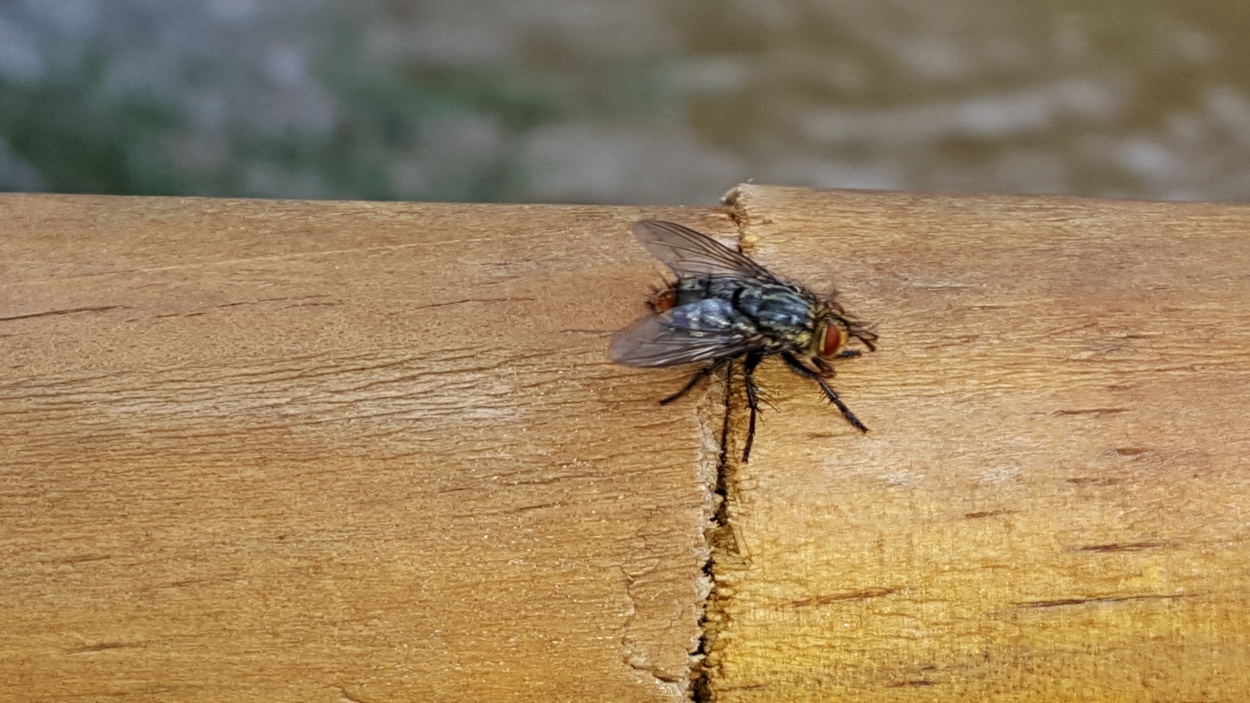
[{"x": 784, "y": 313}]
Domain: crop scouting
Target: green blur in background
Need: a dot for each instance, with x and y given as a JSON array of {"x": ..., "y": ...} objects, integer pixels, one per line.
[{"x": 602, "y": 101}]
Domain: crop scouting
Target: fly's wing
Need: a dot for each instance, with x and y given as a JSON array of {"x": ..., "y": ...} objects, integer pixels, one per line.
[
  {"x": 692, "y": 255},
  {"x": 695, "y": 332}
]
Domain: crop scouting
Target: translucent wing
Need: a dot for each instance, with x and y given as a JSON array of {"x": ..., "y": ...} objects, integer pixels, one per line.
[
  {"x": 691, "y": 254},
  {"x": 695, "y": 332}
]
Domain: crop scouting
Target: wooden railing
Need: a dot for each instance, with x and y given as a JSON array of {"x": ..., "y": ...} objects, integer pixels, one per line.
[{"x": 324, "y": 451}]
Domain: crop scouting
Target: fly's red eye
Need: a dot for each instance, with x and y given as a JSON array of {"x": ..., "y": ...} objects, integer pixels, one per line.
[{"x": 834, "y": 340}]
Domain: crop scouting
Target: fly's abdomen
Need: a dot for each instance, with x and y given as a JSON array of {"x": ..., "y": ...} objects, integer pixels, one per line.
[
  {"x": 692, "y": 290},
  {"x": 705, "y": 317}
]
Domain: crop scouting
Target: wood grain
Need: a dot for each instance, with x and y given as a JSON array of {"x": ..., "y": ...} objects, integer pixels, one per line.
[
  {"x": 290, "y": 451},
  {"x": 1053, "y": 502},
  {"x": 295, "y": 451}
]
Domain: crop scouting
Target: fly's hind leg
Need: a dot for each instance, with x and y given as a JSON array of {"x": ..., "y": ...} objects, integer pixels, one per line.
[
  {"x": 748, "y": 374},
  {"x": 798, "y": 367},
  {"x": 695, "y": 379}
]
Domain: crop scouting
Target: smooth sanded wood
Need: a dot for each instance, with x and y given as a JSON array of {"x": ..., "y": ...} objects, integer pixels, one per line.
[
  {"x": 1054, "y": 500},
  {"x": 295, "y": 451}
]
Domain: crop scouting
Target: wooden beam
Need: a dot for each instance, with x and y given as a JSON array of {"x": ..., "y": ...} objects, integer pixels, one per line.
[
  {"x": 316, "y": 451},
  {"x": 1053, "y": 502},
  {"x": 357, "y": 451}
]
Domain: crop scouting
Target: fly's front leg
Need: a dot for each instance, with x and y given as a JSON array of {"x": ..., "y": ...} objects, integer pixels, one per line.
[
  {"x": 695, "y": 379},
  {"x": 748, "y": 374},
  {"x": 798, "y": 367},
  {"x": 824, "y": 367}
]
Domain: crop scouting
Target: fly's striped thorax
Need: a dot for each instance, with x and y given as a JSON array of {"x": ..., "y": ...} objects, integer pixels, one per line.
[{"x": 781, "y": 312}]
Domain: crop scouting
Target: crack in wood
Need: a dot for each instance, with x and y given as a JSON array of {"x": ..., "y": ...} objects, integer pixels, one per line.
[
  {"x": 66, "y": 311},
  {"x": 1065, "y": 602}
]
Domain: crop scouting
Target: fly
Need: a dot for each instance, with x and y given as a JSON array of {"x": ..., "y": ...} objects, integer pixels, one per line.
[{"x": 724, "y": 307}]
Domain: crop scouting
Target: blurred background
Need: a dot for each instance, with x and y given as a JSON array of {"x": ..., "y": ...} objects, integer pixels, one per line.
[{"x": 606, "y": 101}]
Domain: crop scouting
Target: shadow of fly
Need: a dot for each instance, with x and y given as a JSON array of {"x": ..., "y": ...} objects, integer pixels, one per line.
[{"x": 724, "y": 307}]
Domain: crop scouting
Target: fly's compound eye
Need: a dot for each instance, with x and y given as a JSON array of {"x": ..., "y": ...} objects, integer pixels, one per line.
[{"x": 832, "y": 338}]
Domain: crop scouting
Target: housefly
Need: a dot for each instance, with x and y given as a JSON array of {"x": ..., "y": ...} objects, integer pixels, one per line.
[{"x": 724, "y": 307}]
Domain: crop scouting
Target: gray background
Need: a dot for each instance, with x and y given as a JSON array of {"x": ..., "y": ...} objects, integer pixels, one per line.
[{"x": 615, "y": 101}]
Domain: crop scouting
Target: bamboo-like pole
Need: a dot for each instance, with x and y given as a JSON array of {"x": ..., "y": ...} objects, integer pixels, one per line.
[
  {"x": 355, "y": 451},
  {"x": 1053, "y": 502},
  {"x": 313, "y": 451}
]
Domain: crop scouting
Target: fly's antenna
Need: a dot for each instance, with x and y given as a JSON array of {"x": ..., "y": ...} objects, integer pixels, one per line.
[
  {"x": 862, "y": 332},
  {"x": 855, "y": 328}
]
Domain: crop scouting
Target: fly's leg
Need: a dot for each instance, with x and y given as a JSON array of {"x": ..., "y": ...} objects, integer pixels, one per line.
[
  {"x": 748, "y": 374},
  {"x": 798, "y": 367},
  {"x": 695, "y": 379},
  {"x": 868, "y": 337},
  {"x": 826, "y": 369}
]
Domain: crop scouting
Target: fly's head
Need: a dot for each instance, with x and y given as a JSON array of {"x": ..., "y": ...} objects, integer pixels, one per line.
[{"x": 834, "y": 328}]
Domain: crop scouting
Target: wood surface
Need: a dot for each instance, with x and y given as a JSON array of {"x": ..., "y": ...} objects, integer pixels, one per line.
[
  {"x": 316, "y": 451},
  {"x": 292, "y": 451},
  {"x": 1054, "y": 500}
]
